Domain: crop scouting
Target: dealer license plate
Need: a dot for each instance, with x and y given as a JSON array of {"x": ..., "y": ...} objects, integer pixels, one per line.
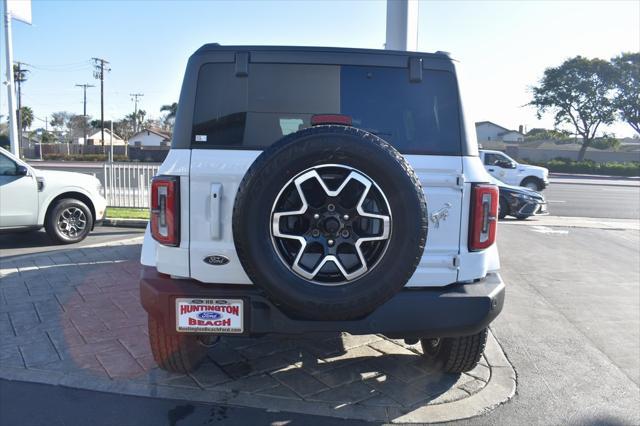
[{"x": 209, "y": 315}]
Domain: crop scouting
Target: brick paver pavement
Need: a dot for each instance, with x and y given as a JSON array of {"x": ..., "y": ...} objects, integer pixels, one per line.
[{"x": 73, "y": 317}]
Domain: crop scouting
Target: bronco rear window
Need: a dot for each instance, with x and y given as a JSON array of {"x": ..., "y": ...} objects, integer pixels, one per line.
[{"x": 254, "y": 111}]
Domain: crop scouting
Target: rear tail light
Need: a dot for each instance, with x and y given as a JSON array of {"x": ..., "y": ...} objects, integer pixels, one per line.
[
  {"x": 484, "y": 216},
  {"x": 165, "y": 210},
  {"x": 318, "y": 119}
]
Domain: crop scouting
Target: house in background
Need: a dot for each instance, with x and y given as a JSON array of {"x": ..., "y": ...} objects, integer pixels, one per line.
[
  {"x": 488, "y": 131},
  {"x": 150, "y": 137},
  {"x": 96, "y": 139}
]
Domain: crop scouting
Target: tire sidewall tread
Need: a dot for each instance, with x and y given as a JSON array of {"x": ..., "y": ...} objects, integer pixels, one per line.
[
  {"x": 337, "y": 145},
  {"x": 52, "y": 217}
]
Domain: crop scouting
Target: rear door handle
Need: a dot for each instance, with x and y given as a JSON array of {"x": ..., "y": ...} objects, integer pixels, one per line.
[
  {"x": 215, "y": 199},
  {"x": 491, "y": 170}
]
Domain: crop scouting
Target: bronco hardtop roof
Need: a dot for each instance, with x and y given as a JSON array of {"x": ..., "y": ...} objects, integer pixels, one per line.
[{"x": 215, "y": 47}]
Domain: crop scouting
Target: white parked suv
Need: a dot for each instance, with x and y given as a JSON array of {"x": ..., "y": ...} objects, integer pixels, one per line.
[
  {"x": 509, "y": 171},
  {"x": 321, "y": 189},
  {"x": 67, "y": 204}
]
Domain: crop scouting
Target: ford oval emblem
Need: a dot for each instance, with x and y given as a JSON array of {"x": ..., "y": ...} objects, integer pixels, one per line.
[
  {"x": 216, "y": 260},
  {"x": 209, "y": 315}
]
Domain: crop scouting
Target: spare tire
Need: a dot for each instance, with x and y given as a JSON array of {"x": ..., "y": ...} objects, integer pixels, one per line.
[{"x": 330, "y": 222}]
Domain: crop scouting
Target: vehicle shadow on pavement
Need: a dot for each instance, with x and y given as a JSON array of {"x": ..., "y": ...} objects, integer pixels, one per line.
[
  {"x": 74, "y": 317},
  {"x": 25, "y": 239}
]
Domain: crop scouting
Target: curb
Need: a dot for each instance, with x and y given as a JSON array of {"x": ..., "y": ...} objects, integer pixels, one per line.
[{"x": 125, "y": 223}]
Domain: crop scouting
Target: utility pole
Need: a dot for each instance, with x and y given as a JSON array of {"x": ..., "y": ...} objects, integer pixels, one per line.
[
  {"x": 402, "y": 25},
  {"x": 134, "y": 98},
  {"x": 98, "y": 73},
  {"x": 19, "y": 78},
  {"x": 84, "y": 114}
]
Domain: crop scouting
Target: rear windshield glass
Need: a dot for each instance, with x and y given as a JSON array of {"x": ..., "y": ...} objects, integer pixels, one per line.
[{"x": 253, "y": 112}]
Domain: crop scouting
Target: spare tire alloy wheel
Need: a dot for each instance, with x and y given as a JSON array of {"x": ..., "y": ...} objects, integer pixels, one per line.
[
  {"x": 330, "y": 230},
  {"x": 330, "y": 222}
]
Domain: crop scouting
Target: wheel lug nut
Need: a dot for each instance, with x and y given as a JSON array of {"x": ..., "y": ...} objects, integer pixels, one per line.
[
  {"x": 331, "y": 207},
  {"x": 330, "y": 242},
  {"x": 316, "y": 216},
  {"x": 345, "y": 233},
  {"x": 345, "y": 217},
  {"x": 315, "y": 233}
]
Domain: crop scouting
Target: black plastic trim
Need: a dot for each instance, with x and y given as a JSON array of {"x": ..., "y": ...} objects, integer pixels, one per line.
[{"x": 459, "y": 309}]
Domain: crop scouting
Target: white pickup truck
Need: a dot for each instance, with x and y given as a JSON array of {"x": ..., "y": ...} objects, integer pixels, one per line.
[
  {"x": 509, "y": 171},
  {"x": 66, "y": 204}
]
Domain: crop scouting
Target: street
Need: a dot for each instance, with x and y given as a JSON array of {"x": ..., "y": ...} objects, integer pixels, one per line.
[
  {"x": 607, "y": 199},
  {"x": 570, "y": 326}
]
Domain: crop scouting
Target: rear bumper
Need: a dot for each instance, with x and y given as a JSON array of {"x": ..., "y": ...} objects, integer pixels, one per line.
[{"x": 455, "y": 310}]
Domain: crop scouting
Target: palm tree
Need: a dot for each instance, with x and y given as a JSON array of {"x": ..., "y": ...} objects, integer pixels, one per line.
[
  {"x": 140, "y": 118},
  {"x": 171, "y": 114},
  {"x": 26, "y": 114},
  {"x": 171, "y": 109}
]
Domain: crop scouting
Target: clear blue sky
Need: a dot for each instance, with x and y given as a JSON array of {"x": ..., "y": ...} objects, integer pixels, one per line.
[{"x": 503, "y": 46}]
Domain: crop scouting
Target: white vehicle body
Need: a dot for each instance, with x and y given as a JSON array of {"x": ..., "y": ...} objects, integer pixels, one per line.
[
  {"x": 26, "y": 198},
  {"x": 447, "y": 187},
  {"x": 205, "y": 227},
  {"x": 509, "y": 171}
]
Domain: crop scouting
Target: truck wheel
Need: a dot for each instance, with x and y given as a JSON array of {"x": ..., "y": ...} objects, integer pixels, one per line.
[
  {"x": 454, "y": 354},
  {"x": 330, "y": 222},
  {"x": 69, "y": 221},
  {"x": 532, "y": 183},
  {"x": 178, "y": 353}
]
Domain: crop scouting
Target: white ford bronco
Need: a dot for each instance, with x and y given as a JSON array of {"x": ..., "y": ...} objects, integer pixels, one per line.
[{"x": 321, "y": 190}]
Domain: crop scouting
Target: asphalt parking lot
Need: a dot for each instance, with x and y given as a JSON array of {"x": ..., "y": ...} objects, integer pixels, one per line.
[{"x": 570, "y": 326}]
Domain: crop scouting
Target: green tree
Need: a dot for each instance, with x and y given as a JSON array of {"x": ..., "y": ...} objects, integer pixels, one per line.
[
  {"x": 606, "y": 142},
  {"x": 170, "y": 117},
  {"x": 140, "y": 119},
  {"x": 171, "y": 110},
  {"x": 47, "y": 137},
  {"x": 578, "y": 93},
  {"x": 76, "y": 125},
  {"x": 627, "y": 88},
  {"x": 60, "y": 120},
  {"x": 26, "y": 114},
  {"x": 538, "y": 134}
]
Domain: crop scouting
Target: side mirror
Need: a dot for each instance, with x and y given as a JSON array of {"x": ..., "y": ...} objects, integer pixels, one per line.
[{"x": 21, "y": 170}]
